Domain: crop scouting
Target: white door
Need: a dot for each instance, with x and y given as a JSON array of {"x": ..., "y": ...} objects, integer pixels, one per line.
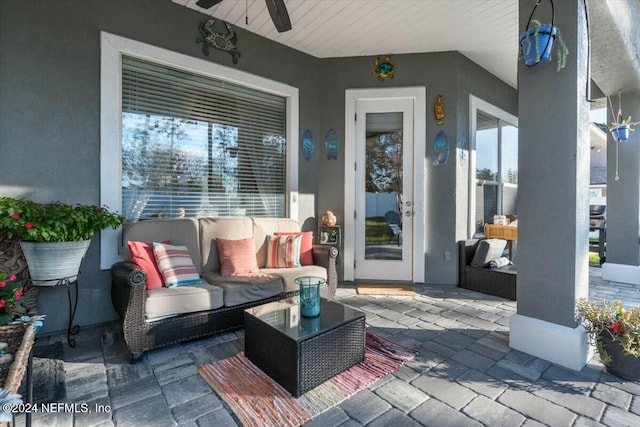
[{"x": 384, "y": 176}]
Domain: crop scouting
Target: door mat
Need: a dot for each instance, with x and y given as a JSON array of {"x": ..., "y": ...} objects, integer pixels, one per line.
[
  {"x": 384, "y": 289},
  {"x": 258, "y": 401},
  {"x": 47, "y": 374}
]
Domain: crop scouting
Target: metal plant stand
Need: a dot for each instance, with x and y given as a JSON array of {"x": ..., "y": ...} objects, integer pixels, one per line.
[{"x": 69, "y": 282}]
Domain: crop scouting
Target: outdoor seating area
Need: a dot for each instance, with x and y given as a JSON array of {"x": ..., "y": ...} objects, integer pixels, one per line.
[
  {"x": 222, "y": 265},
  {"x": 464, "y": 372},
  {"x": 315, "y": 213}
]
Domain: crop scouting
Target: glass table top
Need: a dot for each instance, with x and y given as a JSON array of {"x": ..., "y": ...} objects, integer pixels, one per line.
[{"x": 284, "y": 316}]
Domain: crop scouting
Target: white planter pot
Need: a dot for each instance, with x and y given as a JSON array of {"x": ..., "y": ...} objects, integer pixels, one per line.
[{"x": 51, "y": 261}]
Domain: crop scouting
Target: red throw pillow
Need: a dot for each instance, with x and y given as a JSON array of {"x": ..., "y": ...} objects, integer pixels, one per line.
[
  {"x": 142, "y": 255},
  {"x": 306, "y": 245},
  {"x": 237, "y": 257}
]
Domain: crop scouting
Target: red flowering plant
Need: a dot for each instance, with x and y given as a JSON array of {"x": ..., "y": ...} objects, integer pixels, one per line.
[
  {"x": 611, "y": 318},
  {"x": 11, "y": 299},
  {"x": 53, "y": 222}
]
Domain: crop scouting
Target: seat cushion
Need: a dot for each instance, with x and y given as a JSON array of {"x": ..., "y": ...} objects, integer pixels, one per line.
[
  {"x": 183, "y": 299},
  {"x": 289, "y": 275},
  {"x": 247, "y": 288}
]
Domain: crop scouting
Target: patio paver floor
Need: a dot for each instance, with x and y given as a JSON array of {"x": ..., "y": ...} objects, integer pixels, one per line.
[{"x": 465, "y": 374}]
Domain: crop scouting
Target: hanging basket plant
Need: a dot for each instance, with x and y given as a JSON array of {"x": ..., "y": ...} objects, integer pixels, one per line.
[
  {"x": 538, "y": 39},
  {"x": 619, "y": 128}
]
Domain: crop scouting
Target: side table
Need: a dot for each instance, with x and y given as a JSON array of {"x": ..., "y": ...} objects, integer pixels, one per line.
[{"x": 68, "y": 282}]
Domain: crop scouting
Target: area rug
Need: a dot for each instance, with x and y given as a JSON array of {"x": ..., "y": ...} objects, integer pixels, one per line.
[
  {"x": 258, "y": 401},
  {"x": 385, "y": 289},
  {"x": 48, "y": 374}
]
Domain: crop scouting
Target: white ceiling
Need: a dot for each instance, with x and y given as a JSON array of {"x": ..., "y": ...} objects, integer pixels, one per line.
[{"x": 484, "y": 31}]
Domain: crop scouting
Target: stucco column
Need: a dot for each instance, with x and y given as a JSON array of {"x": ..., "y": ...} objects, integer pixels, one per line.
[
  {"x": 623, "y": 199},
  {"x": 553, "y": 196}
]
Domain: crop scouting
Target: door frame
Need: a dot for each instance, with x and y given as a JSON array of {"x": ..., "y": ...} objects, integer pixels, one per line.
[{"x": 418, "y": 95}]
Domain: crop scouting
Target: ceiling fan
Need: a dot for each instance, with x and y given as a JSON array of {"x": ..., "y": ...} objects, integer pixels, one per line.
[{"x": 277, "y": 10}]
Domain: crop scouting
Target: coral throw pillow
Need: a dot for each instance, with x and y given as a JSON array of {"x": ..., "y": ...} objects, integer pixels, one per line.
[
  {"x": 283, "y": 251},
  {"x": 142, "y": 255},
  {"x": 306, "y": 245},
  {"x": 237, "y": 257},
  {"x": 176, "y": 265}
]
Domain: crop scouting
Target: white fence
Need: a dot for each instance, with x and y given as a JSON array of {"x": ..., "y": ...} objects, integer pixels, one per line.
[{"x": 378, "y": 204}]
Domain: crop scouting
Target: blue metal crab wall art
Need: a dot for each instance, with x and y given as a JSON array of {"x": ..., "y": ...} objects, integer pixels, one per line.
[{"x": 226, "y": 42}]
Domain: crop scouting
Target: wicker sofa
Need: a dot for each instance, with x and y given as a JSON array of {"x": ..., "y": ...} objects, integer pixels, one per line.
[
  {"x": 501, "y": 282},
  {"x": 217, "y": 305}
]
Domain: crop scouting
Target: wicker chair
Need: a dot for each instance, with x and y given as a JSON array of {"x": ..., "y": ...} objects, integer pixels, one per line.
[{"x": 501, "y": 283}]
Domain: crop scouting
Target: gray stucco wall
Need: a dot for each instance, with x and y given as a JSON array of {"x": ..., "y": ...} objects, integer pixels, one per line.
[
  {"x": 554, "y": 218},
  {"x": 50, "y": 118},
  {"x": 50, "y": 107}
]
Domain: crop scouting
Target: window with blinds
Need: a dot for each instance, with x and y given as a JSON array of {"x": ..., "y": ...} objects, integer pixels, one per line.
[{"x": 196, "y": 146}]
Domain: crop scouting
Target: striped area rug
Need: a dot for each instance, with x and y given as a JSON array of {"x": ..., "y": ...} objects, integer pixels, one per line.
[{"x": 258, "y": 401}]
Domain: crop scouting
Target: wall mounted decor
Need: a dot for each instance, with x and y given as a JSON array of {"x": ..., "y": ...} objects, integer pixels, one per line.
[
  {"x": 225, "y": 42},
  {"x": 384, "y": 69},
  {"x": 441, "y": 149},
  {"x": 331, "y": 144},
  {"x": 308, "y": 145},
  {"x": 438, "y": 110}
]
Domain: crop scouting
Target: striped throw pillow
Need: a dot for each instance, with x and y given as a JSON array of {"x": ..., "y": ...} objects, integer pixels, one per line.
[
  {"x": 175, "y": 265},
  {"x": 283, "y": 251}
]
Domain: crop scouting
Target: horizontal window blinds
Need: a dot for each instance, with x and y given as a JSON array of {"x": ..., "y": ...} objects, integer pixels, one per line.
[{"x": 196, "y": 146}]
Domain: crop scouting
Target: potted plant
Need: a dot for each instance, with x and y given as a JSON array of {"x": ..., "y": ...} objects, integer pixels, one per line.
[
  {"x": 55, "y": 236},
  {"x": 615, "y": 332},
  {"x": 620, "y": 127},
  {"x": 537, "y": 41}
]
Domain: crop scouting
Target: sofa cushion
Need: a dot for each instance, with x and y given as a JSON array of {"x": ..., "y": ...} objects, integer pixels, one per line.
[
  {"x": 223, "y": 228},
  {"x": 487, "y": 250},
  {"x": 142, "y": 255},
  {"x": 283, "y": 251},
  {"x": 247, "y": 288},
  {"x": 183, "y": 299},
  {"x": 176, "y": 265},
  {"x": 263, "y": 227},
  {"x": 289, "y": 275},
  {"x": 179, "y": 231},
  {"x": 237, "y": 257},
  {"x": 306, "y": 245}
]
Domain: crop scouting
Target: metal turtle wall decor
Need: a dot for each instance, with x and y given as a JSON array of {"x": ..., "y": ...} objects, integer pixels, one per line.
[{"x": 226, "y": 42}]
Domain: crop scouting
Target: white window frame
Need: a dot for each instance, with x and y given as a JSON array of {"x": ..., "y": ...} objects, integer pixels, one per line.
[
  {"x": 476, "y": 104},
  {"x": 112, "y": 49}
]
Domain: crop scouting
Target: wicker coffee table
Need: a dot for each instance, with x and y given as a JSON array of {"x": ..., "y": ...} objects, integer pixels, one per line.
[{"x": 301, "y": 353}]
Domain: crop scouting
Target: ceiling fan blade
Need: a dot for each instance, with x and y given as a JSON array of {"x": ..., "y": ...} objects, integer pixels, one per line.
[
  {"x": 206, "y": 4},
  {"x": 279, "y": 15}
]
